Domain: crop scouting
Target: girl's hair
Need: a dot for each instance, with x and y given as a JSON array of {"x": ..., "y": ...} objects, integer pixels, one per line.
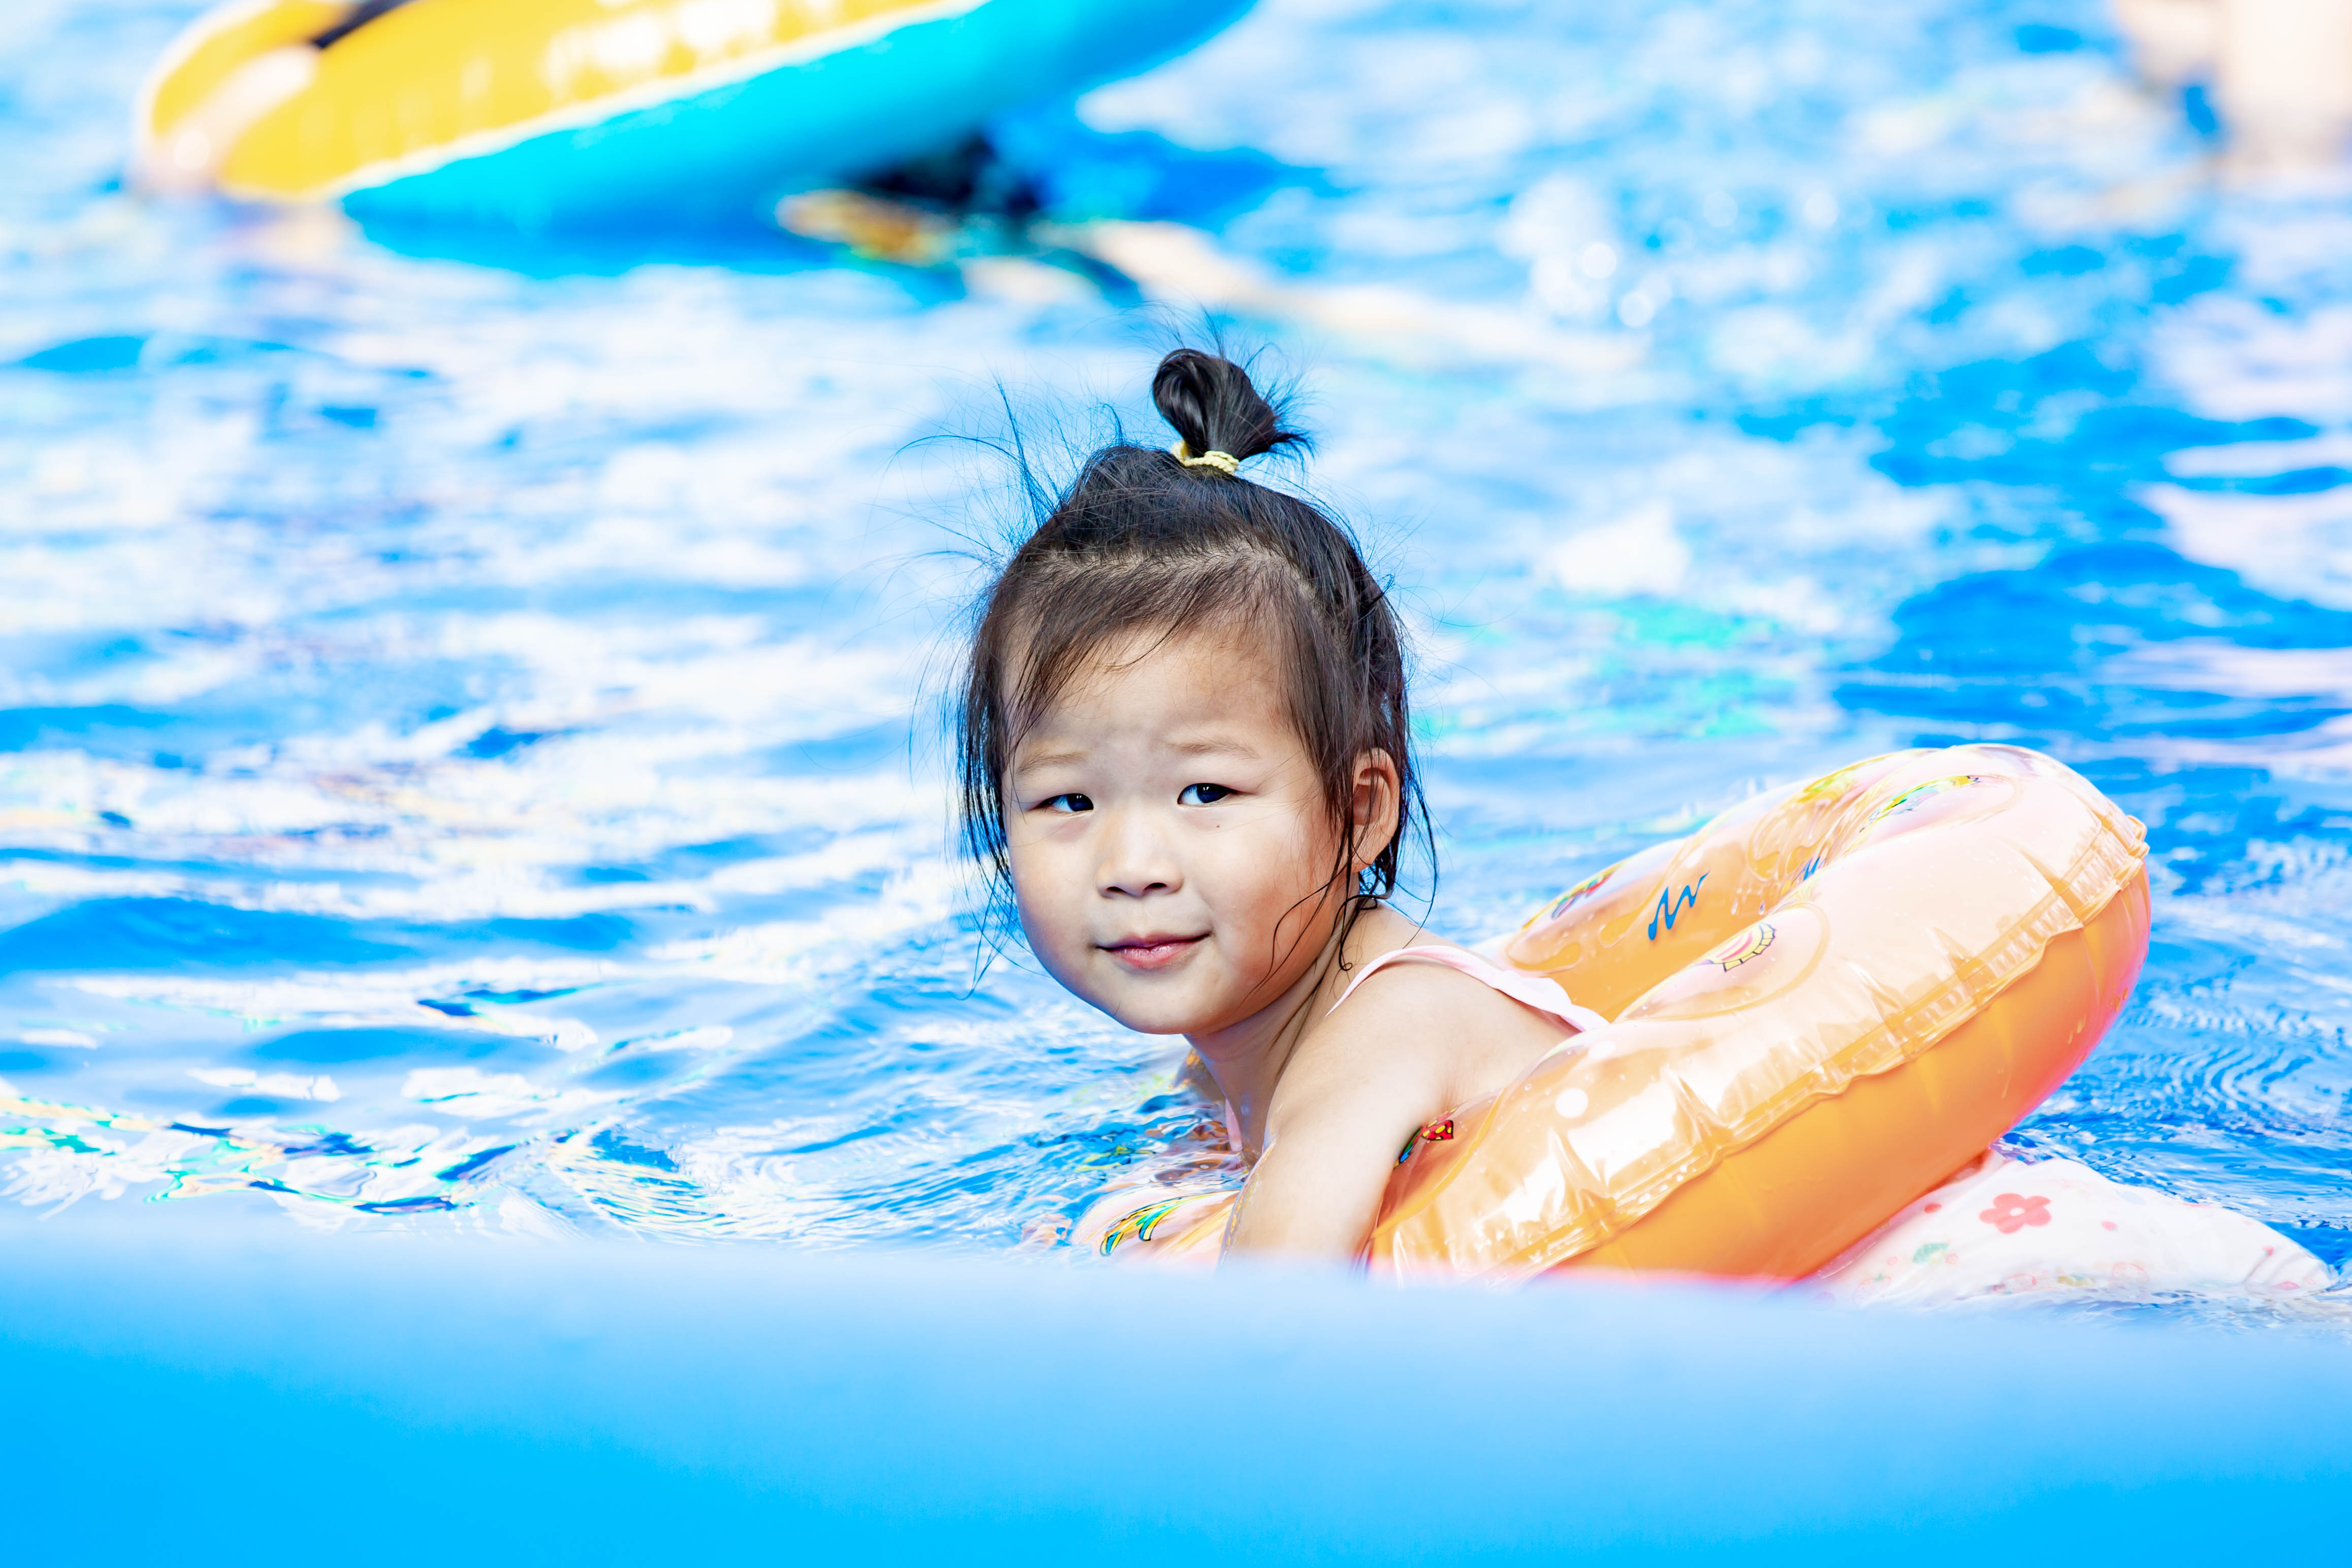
[{"x": 1142, "y": 542}]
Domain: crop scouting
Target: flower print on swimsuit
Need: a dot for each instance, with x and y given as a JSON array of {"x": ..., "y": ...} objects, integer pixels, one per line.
[
  {"x": 2010, "y": 1212},
  {"x": 2015, "y": 1229}
]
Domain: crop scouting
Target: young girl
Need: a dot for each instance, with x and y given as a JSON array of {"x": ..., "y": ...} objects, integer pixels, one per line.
[{"x": 1186, "y": 745}]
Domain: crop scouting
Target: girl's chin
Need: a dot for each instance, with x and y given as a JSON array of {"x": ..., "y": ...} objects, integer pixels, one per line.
[
  {"x": 1157, "y": 1015},
  {"x": 1158, "y": 1022}
]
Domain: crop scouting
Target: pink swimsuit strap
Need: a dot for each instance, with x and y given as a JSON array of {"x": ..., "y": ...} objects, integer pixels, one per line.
[{"x": 1546, "y": 995}]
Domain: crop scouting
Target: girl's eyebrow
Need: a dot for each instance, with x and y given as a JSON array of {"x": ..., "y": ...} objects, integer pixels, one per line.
[
  {"x": 1218, "y": 748},
  {"x": 1028, "y": 760},
  {"x": 1056, "y": 758}
]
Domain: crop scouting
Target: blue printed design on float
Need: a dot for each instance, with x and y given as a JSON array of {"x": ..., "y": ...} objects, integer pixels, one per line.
[{"x": 1672, "y": 905}]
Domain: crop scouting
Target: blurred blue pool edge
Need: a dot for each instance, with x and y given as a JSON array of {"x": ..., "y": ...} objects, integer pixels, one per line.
[{"x": 374, "y": 1396}]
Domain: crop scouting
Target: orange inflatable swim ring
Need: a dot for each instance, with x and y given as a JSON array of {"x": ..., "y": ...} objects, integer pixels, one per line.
[{"x": 1825, "y": 1002}]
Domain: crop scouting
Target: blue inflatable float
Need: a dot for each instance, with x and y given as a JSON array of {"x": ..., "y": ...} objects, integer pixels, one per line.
[
  {"x": 197, "y": 1391},
  {"x": 584, "y": 113}
]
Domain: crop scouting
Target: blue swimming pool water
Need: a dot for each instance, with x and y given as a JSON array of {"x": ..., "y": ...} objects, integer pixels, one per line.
[{"x": 456, "y": 768}]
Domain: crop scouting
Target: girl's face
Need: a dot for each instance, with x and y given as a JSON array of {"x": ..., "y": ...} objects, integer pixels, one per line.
[{"x": 1171, "y": 854}]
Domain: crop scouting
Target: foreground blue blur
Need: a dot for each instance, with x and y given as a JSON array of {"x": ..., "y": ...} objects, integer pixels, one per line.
[{"x": 377, "y": 1399}]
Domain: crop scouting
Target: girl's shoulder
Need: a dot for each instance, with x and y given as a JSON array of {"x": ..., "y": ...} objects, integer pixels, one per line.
[
  {"x": 1423, "y": 995},
  {"x": 1391, "y": 1050},
  {"x": 1448, "y": 969},
  {"x": 1424, "y": 965},
  {"x": 1444, "y": 1015}
]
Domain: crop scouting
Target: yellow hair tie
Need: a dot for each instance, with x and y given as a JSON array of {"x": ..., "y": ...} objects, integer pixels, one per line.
[{"x": 1224, "y": 463}]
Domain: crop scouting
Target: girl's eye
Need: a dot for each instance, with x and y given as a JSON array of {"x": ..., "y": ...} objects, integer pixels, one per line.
[
  {"x": 1202, "y": 794},
  {"x": 1073, "y": 801}
]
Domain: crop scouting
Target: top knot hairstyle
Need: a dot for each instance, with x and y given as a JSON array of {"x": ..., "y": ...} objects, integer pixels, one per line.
[{"x": 1147, "y": 540}]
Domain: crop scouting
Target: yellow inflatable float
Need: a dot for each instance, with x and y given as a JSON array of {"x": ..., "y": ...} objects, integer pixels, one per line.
[
  {"x": 1824, "y": 1003},
  {"x": 573, "y": 113}
]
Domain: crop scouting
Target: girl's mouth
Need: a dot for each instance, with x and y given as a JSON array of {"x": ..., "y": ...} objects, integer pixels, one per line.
[{"x": 1154, "y": 952}]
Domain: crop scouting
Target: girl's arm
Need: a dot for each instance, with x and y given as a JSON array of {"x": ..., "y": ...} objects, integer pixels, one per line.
[
  {"x": 1366, "y": 1079},
  {"x": 1411, "y": 1043},
  {"x": 1316, "y": 1190}
]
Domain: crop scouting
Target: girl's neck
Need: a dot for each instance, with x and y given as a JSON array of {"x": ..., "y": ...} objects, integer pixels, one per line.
[{"x": 1247, "y": 1058}]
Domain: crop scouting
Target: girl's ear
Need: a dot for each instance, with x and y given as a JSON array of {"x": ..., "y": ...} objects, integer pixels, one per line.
[{"x": 1373, "y": 810}]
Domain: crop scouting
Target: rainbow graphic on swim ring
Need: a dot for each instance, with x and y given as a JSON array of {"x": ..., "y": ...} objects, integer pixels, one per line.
[
  {"x": 1585, "y": 889},
  {"x": 1748, "y": 944},
  {"x": 1928, "y": 791}
]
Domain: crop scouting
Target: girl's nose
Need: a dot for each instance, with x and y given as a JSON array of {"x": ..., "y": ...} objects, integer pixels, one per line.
[{"x": 1136, "y": 860}]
